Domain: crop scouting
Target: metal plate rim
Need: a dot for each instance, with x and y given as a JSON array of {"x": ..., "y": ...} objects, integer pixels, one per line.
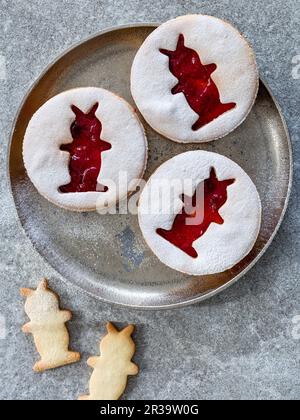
[{"x": 188, "y": 302}]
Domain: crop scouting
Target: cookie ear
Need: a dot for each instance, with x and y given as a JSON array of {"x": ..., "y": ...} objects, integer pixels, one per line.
[
  {"x": 43, "y": 285},
  {"x": 128, "y": 330},
  {"x": 111, "y": 329},
  {"x": 26, "y": 292}
]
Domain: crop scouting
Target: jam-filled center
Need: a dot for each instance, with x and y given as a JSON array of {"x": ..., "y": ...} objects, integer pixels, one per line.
[
  {"x": 198, "y": 213},
  {"x": 85, "y": 152},
  {"x": 196, "y": 83}
]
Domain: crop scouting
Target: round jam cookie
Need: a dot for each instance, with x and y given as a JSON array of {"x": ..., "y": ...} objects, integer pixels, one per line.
[
  {"x": 195, "y": 79},
  {"x": 200, "y": 213},
  {"x": 78, "y": 145}
]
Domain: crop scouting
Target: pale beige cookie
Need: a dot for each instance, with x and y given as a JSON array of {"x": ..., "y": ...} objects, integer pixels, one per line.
[
  {"x": 47, "y": 325},
  {"x": 111, "y": 369}
]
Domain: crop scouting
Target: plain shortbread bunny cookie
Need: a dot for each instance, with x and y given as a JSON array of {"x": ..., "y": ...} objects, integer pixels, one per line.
[
  {"x": 111, "y": 369},
  {"x": 47, "y": 325}
]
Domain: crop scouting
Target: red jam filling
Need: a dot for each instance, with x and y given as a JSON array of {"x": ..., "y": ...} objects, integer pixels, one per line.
[
  {"x": 195, "y": 82},
  {"x": 198, "y": 214},
  {"x": 85, "y": 152}
]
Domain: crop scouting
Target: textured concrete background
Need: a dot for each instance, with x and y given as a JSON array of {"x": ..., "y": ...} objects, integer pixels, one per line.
[{"x": 238, "y": 345}]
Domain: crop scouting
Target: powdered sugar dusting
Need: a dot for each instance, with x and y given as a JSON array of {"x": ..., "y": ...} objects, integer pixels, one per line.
[
  {"x": 216, "y": 42},
  {"x": 222, "y": 246},
  {"x": 47, "y": 165}
]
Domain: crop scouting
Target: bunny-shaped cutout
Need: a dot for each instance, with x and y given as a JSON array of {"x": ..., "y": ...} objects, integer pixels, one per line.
[
  {"x": 199, "y": 212},
  {"x": 111, "y": 369},
  {"x": 85, "y": 152},
  {"x": 47, "y": 325},
  {"x": 196, "y": 83}
]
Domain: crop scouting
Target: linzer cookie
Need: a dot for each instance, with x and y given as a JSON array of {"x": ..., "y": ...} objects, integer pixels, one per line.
[
  {"x": 195, "y": 79},
  {"x": 200, "y": 213},
  {"x": 83, "y": 148}
]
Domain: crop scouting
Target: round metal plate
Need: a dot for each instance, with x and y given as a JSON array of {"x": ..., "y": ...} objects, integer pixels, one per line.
[{"x": 106, "y": 255}]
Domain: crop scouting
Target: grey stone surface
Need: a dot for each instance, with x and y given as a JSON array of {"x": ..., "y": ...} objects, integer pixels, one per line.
[{"x": 238, "y": 345}]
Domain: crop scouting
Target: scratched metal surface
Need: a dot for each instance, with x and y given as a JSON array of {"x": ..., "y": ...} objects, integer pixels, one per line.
[{"x": 106, "y": 255}]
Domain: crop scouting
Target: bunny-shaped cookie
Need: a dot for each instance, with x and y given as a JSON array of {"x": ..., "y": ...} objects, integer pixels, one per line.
[
  {"x": 111, "y": 369},
  {"x": 47, "y": 325}
]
